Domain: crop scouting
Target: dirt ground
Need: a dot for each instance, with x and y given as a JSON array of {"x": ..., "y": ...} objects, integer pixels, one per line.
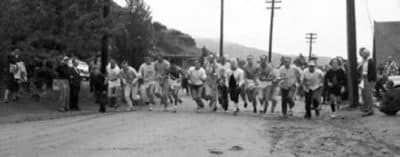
[{"x": 187, "y": 133}]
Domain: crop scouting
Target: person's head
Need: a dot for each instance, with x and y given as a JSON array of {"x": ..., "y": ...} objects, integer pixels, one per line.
[
  {"x": 113, "y": 63},
  {"x": 311, "y": 65},
  {"x": 234, "y": 64},
  {"x": 197, "y": 64},
  {"x": 263, "y": 60},
  {"x": 98, "y": 59},
  {"x": 287, "y": 61},
  {"x": 390, "y": 59},
  {"x": 147, "y": 59},
  {"x": 16, "y": 52},
  {"x": 335, "y": 63},
  {"x": 250, "y": 59},
  {"x": 75, "y": 62},
  {"x": 159, "y": 58},
  {"x": 125, "y": 65},
  {"x": 364, "y": 53}
]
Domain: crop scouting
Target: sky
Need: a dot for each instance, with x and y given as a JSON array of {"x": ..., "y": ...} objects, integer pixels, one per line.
[{"x": 247, "y": 22}]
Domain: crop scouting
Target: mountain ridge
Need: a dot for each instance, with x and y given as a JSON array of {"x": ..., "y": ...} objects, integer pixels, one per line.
[{"x": 236, "y": 50}]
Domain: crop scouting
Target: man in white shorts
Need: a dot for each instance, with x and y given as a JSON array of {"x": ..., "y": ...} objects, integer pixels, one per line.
[
  {"x": 114, "y": 82},
  {"x": 251, "y": 72},
  {"x": 148, "y": 75},
  {"x": 268, "y": 84}
]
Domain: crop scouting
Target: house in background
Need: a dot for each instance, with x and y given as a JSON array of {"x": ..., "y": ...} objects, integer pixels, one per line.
[{"x": 387, "y": 41}]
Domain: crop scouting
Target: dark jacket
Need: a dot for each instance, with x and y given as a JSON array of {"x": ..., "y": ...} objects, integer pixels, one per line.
[
  {"x": 63, "y": 71},
  {"x": 391, "y": 102},
  {"x": 74, "y": 78},
  {"x": 372, "y": 73}
]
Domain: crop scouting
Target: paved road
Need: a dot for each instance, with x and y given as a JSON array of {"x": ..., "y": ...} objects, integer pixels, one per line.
[
  {"x": 138, "y": 133},
  {"x": 186, "y": 133}
]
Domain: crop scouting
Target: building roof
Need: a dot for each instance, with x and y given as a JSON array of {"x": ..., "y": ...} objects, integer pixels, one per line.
[{"x": 387, "y": 40}]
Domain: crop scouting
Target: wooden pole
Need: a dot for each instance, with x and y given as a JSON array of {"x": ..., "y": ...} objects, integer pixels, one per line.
[
  {"x": 352, "y": 53},
  {"x": 104, "y": 40},
  {"x": 311, "y": 37},
  {"x": 271, "y": 27},
  {"x": 221, "y": 42}
]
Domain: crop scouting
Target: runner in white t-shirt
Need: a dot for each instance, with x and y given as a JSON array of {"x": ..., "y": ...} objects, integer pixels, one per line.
[
  {"x": 148, "y": 74},
  {"x": 197, "y": 78}
]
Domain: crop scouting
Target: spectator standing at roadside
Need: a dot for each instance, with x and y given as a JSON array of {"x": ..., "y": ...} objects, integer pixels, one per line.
[
  {"x": 75, "y": 85},
  {"x": 62, "y": 85},
  {"x": 12, "y": 83},
  {"x": 95, "y": 64},
  {"x": 367, "y": 76}
]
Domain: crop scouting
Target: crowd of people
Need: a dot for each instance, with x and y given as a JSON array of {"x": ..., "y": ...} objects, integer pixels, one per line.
[{"x": 216, "y": 80}]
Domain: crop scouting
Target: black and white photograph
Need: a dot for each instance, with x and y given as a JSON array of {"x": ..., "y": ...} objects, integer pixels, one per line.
[{"x": 199, "y": 78}]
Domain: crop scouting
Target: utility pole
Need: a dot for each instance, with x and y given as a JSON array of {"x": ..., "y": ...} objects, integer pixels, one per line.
[
  {"x": 221, "y": 42},
  {"x": 271, "y": 27},
  {"x": 104, "y": 40},
  {"x": 352, "y": 53},
  {"x": 311, "y": 37}
]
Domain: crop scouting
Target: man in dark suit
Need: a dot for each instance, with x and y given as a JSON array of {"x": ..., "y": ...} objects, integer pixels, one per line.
[
  {"x": 75, "y": 85},
  {"x": 367, "y": 77}
]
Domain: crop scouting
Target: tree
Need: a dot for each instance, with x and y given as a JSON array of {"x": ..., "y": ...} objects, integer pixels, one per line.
[{"x": 135, "y": 38}]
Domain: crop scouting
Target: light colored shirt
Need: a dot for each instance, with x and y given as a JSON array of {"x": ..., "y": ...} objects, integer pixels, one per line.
[
  {"x": 238, "y": 74},
  {"x": 197, "y": 76},
  {"x": 129, "y": 76},
  {"x": 113, "y": 76},
  {"x": 223, "y": 69},
  {"x": 147, "y": 72},
  {"x": 312, "y": 80},
  {"x": 162, "y": 69},
  {"x": 365, "y": 67},
  {"x": 290, "y": 76}
]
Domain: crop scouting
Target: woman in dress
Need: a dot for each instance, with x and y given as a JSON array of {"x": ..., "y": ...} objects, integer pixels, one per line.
[{"x": 335, "y": 80}]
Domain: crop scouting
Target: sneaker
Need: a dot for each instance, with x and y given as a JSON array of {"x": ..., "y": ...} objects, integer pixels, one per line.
[
  {"x": 236, "y": 112},
  {"x": 290, "y": 113},
  {"x": 333, "y": 116},
  {"x": 174, "y": 109},
  {"x": 317, "y": 112}
]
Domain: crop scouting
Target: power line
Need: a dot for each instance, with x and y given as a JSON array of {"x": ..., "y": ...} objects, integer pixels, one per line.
[{"x": 272, "y": 7}]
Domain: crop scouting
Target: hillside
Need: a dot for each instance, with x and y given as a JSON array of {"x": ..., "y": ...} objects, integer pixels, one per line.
[{"x": 234, "y": 50}]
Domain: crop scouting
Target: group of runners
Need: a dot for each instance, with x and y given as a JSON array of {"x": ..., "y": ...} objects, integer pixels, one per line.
[{"x": 220, "y": 82}]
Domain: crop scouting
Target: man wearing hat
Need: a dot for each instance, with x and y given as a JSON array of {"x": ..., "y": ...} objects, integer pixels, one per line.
[{"x": 312, "y": 81}]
